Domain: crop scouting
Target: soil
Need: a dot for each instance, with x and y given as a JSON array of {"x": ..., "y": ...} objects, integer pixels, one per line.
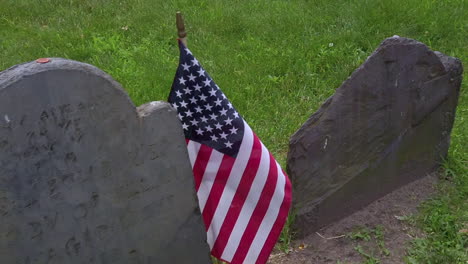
[{"x": 380, "y": 230}]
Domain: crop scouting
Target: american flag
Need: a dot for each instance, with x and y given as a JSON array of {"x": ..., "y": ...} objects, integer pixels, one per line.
[{"x": 243, "y": 193}]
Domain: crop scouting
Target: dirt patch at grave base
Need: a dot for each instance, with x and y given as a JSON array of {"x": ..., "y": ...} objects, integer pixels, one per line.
[{"x": 378, "y": 233}]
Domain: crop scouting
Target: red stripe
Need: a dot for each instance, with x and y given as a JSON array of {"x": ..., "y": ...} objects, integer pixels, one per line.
[
  {"x": 217, "y": 189},
  {"x": 199, "y": 167},
  {"x": 187, "y": 140},
  {"x": 258, "y": 214},
  {"x": 239, "y": 198},
  {"x": 278, "y": 226}
]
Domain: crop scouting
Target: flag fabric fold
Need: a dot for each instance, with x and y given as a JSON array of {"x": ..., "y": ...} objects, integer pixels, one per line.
[{"x": 243, "y": 194}]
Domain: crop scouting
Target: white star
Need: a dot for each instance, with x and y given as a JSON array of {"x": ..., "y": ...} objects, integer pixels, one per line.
[
  {"x": 223, "y": 111},
  {"x": 198, "y": 109},
  {"x": 228, "y": 121},
  {"x": 178, "y": 94},
  {"x": 180, "y": 116},
  {"x": 212, "y": 92},
  {"x": 182, "y": 80},
  {"x": 193, "y": 100},
  {"x": 187, "y": 90},
  {"x": 204, "y": 119},
  {"x": 186, "y": 66},
  {"x": 175, "y": 105},
  {"x": 213, "y": 116},
  {"x": 191, "y": 77},
  {"x": 201, "y": 72},
  {"x": 203, "y": 97},
  {"x": 188, "y": 51},
  {"x": 208, "y": 107},
  {"x": 199, "y": 131},
  {"x": 236, "y": 115},
  {"x": 223, "y": 135},
  {"x": 228, "y": 144},
  {"x": 194, "y": 122},
  {"x": 218, "y": 126},
  {"x": 224, "y": 97},
  {"x": 197, "y": 87},
  {"x": 233, "y": 130},
  {"x": 214, "y": 138},
  {"x": 218, "y": 102},
  {"x": 195, "y": 62},
  {"x": 183, "y": 104},
  {"x": 229, "y": 105},
  {"x": 189, "y": 113},
  {"x": 207, "y": 82},
  {"x": 185, "y": 126},
  {"x": 209, "y": 128}
]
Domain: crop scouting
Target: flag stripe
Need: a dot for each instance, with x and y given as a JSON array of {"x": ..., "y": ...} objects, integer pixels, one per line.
[
  {"x": 258, "y": 214},
  {"x": 231, "y": 184},
  {"x": 215, "y": 194},
  {"x": 192, "y": 149},
  {"x": 201, "y": 161},
  {"x": 269, "y": 219},
  {"x": 249, "y": 206},
  {"x": 209, "y": 177},
  {"x": 239, "y": 198},
  {"x": 279, "y": 223}
]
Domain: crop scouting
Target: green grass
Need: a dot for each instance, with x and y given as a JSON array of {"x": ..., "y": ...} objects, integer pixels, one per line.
[
  {"x": 277, "y": 61},
  {"x": 369, "y": 258},
  {"x": 443, "y": 220},
  {"x": 376, "y": 235}
]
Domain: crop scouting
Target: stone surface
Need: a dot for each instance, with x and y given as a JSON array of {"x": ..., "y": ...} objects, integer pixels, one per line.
[
  {"x": 388, "y": 124},
  {"x": 85, "y": 177}
]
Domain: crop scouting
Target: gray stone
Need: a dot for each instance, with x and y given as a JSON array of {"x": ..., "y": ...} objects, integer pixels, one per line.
[
  {"x": 388, "y": 124},
  {"x": 85, "y": 177}
]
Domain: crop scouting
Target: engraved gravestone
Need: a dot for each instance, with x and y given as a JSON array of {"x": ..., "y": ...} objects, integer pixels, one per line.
[
  {"x": 388, "y": 124},
  {"x": 85, "y": 177}
]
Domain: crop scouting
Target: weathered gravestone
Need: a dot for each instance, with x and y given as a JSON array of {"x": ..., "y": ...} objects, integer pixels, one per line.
[
  {"x": 387, "y": 125},
  {"x": 85, "y": 177}
]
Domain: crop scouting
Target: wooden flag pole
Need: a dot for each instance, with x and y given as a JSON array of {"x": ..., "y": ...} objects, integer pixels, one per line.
[{"x": 181, "y": 28}]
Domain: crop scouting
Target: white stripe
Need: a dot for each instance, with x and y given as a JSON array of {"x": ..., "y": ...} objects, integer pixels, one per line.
[
  {"x": 208, "y": 177},
  {"x": 193, "y": 148},
  {"x": 269, "y": 219},
  {"x": 232, "y": 183},
  {"x": 249, "y": 206}
]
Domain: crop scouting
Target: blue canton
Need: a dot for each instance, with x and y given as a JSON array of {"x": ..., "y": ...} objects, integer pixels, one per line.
[{"x": 206, "y": 114}]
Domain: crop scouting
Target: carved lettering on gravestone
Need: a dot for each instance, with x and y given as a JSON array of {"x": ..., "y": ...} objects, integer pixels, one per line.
[
  {"x": 85, "y": 177},
  {"x": 387, "y": 125}
]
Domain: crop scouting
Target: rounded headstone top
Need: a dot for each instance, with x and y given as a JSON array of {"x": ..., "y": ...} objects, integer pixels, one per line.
[
  {"x": 85, "y": 177},
  {"x": 43, "y": 65}
]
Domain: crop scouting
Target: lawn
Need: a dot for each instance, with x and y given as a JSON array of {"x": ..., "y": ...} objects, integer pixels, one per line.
[{"x": 277, "y": 61}]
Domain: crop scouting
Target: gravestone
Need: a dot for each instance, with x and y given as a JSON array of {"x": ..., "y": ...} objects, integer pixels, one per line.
[
  {"x": 85, "y": 177},
  {"x": 388, "y": 124}
]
